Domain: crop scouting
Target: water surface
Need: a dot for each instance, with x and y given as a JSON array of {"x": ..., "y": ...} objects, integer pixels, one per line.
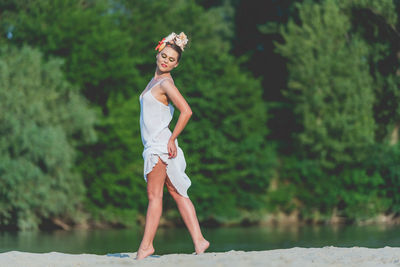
[{"x": 177, "y": 240}]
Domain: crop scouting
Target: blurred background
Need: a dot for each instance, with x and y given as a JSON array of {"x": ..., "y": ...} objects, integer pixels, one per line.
[{"x": 296, "y": 117}]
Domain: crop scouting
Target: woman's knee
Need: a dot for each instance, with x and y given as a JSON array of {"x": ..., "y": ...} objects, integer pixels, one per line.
[
  {"x": 154, "y": 194},
  {"x": 155, "y": 190}
]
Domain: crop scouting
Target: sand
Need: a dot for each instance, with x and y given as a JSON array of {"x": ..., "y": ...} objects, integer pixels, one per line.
[{"x": 302, "y": 257}]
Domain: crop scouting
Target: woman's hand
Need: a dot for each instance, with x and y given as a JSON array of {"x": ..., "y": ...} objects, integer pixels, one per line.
[{"x": 171, "y": 148}]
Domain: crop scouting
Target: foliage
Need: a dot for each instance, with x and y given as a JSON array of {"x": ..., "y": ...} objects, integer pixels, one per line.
[
  {"x": 375, "y": 22},
  {"x": 329, "y": 83},
  {"x": 336, "y": 123},
  {"x": 43, "y": 118},
  {"x": 228, "y": 161},
  {"x": 385, "y": 161},
  {"x": 85, "y": 34},
  {"x": 346, "y": 103}
]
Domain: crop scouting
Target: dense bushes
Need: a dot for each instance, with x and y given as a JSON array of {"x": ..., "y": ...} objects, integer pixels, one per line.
[{"x": 42, "y": 120}]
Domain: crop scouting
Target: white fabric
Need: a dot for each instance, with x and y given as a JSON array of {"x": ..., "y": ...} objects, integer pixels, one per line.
[{"x": 154, "y": 121}]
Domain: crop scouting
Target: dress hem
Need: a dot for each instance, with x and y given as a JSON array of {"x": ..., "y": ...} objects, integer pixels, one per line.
[{"x": 159, "y": 157}]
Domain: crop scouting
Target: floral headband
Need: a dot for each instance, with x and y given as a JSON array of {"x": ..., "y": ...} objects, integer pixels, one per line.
[{"x": 180, "y": 40}]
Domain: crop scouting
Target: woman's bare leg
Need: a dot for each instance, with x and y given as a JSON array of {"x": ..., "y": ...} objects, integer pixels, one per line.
[
  {"x": 155, "y": 185},
  {"x": 188, "y": 213}
]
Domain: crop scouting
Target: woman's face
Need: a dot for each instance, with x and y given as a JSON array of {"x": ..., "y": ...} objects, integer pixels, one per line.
[{"x": 167, "y": 59}]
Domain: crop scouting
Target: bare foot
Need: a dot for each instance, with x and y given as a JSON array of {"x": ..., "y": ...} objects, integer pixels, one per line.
[
  {"x": 201, "y": 246},
  {"x": 143, "y": 253}
]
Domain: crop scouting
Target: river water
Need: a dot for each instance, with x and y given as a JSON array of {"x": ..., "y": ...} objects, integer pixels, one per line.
[{"x": 177, "y": 240}]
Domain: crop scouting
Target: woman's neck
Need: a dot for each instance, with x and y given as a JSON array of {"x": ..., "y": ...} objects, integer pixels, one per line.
[{"x": 159, "y": 74}]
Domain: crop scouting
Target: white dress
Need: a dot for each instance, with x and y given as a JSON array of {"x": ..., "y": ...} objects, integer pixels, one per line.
[{"x": 154, "y": 121}]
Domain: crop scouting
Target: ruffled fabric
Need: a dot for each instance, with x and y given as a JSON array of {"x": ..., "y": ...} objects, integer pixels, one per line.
[
  {"x": 175, "y": 169},
  {"x": 151, "y": 161}
]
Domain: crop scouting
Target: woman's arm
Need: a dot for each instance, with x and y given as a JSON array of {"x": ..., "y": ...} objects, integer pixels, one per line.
[{"x": 179, "y": 101}]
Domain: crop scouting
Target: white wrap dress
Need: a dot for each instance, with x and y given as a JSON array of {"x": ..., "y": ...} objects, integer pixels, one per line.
[{"x": 154, "y": 121}]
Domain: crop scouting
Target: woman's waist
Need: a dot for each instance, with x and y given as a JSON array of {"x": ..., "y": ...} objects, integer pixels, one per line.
[
  {"x": 157, "y": 148},
  {"x": 159, "y": 137},
  {"x": 153, "y": 129}
]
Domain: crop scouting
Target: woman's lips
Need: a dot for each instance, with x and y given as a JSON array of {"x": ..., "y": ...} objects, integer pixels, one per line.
[{"x": 164, "y": 65}]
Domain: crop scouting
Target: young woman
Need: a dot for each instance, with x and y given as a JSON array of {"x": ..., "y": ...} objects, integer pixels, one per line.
[{"x": 164, "y": 161}]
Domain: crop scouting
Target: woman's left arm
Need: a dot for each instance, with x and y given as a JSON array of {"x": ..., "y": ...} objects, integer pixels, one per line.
[{"x": 185, "y": 113}]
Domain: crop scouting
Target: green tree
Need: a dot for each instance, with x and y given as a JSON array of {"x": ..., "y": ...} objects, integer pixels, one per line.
[
  {"x": 330, "y": 85},
  {"x": 375, "y": 22},
  {"x": 43, "y": 118},
  {"x": 342, "y": 98}
]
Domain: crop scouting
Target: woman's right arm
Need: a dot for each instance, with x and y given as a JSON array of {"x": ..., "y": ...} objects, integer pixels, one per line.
[{"x": 185, "y": 112}]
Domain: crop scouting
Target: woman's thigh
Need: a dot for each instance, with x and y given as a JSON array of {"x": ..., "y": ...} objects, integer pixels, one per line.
[
  {"x": 156, "y": 179},
  {"x": 172, "y": 190}
]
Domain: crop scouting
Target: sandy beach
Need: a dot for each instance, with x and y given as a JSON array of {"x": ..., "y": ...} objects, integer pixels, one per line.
[{"x": 326, "y": 256}]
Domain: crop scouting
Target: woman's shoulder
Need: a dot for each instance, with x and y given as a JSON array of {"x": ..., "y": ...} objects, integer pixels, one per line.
[
  {"x": 167, "y": 81},
  {"x": 168, "y": 86}
]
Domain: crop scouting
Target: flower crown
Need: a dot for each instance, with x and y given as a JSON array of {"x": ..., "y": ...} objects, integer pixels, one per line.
[{"x": 180, "y": 40}]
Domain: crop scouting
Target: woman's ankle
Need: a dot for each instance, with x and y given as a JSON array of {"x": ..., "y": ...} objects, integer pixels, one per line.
[{"x": 145, "y": 246}]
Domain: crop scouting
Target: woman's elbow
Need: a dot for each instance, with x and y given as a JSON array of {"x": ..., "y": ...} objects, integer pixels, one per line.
[{"x": 189, "y": 113}]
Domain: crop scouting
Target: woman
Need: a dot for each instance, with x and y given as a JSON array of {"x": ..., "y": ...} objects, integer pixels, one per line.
[{"x": 164, "y": 161}]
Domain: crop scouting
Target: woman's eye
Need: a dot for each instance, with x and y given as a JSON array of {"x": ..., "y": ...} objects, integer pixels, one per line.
[
  {"x": 163, "y": 55},
  {"x": 171, "y": 59}
]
